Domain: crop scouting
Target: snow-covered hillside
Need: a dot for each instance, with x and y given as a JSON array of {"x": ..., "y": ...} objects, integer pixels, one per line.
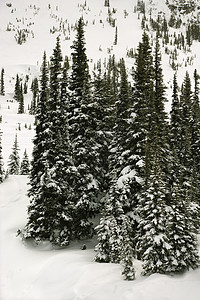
[
  {"x": 43, "y": 21},
  {"x": 29, "y": 272}
]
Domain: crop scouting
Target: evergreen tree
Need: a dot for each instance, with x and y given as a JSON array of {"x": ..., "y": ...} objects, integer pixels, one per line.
[
  {"x": 25, "y": 88},
  {"x": 2, "y": 172},
  {"x": 180, "y": 229},
  {"x": 21, "y": 101},
  {"x": 2, "y": 85},
  {"x": 52, "y": 208},
  {"x": 195, "y": 124},
  {"x": 25, "y": 165},
  {"x": 84, "y": 138},
  {"x": 127, "y": 251},
  {"x": 17, "y": 91},
  {"x": 37, "y": 226},
  {"x": 14, "y": 159},
  {"x": 175, "y": 120},
  {"x": 101, "y": 113},
  {"x": 153, "y": 241},
  {"x": 35, "y": 91},
  {"x": 109, "y": 231},
  {"x": 80, "y": 69}
]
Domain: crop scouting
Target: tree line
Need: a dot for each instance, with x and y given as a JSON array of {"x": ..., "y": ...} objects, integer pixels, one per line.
[{"x": 104, "y": 146}]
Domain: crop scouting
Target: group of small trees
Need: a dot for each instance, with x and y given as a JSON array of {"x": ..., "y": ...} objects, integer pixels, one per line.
[
  {"x": 14, "y": 165},
  {"x": 102, "y": 146}
]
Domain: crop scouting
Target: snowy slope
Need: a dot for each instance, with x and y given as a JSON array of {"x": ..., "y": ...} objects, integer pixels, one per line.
[
  {"x": 28, "y": 272},
  {"x": 41, "y": 18},
  {"x": 42, "y": 273}
]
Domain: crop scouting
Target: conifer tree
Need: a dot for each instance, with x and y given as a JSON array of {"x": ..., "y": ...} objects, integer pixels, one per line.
[
  {"x": 2, "y": 172},
  {"x": 37, "y": 225},
  {"x": 35, "y": 91},
  {"x": 195, "y": 123},
  {"x": 2, "y": 85},
  {"x": 84, "y": 139},
  {"x": 127, "y": 254},
  {"x": 80, "y": 69},
  {"x": 180, "y": 228},
  {"x": 21, "y": 101},
  {"x": 52, "y": 208},
  {"x": 17, "y": 91},
  {"x": 122, "y": 121},
  {"x": 175, "y": 120},
  {"x": 101, "y": 113},
  {"x": 25, "y": 165},
  {"x": 109, "y": 231},
  {"x": 153, "y": 241},
  {"x": 141, "y": 112},
  {"x": 14, "y": 159}
]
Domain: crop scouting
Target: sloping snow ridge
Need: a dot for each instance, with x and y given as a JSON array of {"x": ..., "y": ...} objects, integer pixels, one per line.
[{"x": 31, "y": 272}]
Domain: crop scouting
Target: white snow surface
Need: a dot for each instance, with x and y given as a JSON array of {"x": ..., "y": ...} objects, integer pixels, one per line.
[{"x": 30, "y": 272}]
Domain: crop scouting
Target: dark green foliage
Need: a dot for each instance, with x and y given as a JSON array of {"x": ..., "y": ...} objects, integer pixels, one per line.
[
  {"x": 110, "y": 235},
  {"x": 25, "y": 165},
  {"x": 127, "y": 252},
  {"x": 14, "y": 159},
  {"x": 17, "y": 91},
  {"x": 86, "y": 145},
  {"x": 153, "y": 242},
  {"x": 80, "y": 69},
  {"x": 21, "y": 101},
  {"x": 35, "y": 91},
  {"x": 2, "y": 85}
]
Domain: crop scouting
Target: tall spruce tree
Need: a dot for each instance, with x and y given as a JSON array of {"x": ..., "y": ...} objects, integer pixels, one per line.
[
  {"x": 14, "y": 159},
  {"x": 37, "y": 226},
  {"x": 180, "y": 228},
  {"x": 84, "y": 139},
  {"x": 51, "y": 209},
  {"x": 152, "y": 241}
]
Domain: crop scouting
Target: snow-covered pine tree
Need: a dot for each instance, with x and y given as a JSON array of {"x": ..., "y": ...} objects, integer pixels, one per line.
[
  {"x": 175, "y": 119},
  {"x": 14, "y": 159},
  {"x": 152, "y": 241},
  {"x": 195, "y": 124},
  {"x": 109, "y": 233},
  {"x": 127, "y": 253},
  {"x": 2, "y": 84},
  {"x": 185, "y": 154},
  {"x": 85, "y": 145},
  {"x": 35, "y": 91},
  {"x": 118, "y": 146},
  {"x": 2, "y": 172},
  {"x": 17, "y": 91},
  {"x": 21, "y": 101},
  {"x": 181, "y": 233},
  {"x": 100, "y": 113},
  {"x": 37, "y": 226},
  {"x": 51, "y": 209},
  {"x": 25, "y": 165}
]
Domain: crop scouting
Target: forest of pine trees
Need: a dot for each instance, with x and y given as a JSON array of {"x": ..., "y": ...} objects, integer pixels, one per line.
[{"x": 105, "y": 147}]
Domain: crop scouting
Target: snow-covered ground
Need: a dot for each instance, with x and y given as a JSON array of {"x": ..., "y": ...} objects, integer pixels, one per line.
[{"x": 30, "y": 272}]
